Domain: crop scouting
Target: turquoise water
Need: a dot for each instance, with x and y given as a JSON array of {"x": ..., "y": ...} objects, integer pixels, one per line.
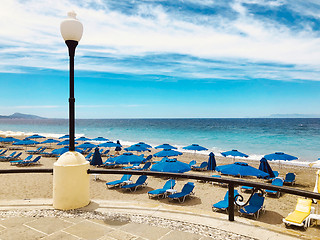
[{"x": 255, "y": 137}]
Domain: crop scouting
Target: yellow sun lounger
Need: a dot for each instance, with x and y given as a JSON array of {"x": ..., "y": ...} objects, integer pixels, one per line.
[{"x": 299, "y": 216}]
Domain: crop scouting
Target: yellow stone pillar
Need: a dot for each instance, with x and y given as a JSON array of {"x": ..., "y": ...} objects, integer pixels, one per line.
[{"x": 71, "y": 181}]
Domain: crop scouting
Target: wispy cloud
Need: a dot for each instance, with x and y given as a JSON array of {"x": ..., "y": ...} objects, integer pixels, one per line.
[{"x": 119, "y": 33}]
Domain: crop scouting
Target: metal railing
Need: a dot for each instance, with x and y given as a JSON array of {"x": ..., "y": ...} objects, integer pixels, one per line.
[{"x": 231, "y": 182}]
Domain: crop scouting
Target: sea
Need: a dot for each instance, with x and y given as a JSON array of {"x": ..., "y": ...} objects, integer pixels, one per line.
[{"x": 256, "y": 137}]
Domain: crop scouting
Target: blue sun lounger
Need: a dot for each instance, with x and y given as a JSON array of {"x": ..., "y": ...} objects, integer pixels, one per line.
[
  {"x": 223, "y": 204},
  {"x": 31, "y": 162},
  {"x": 203, "y": 166},
  {"x": 162, "y": 191},
  {"x": 18, "y": 161},
  {"x": 3, "y": 151},
  {"x": 192, "y": 163},
  {"x": 254, "y": 207},
  {"x": 186, "y": 191},
  {"x": 132, "y": 166},
  {"x": 7, "y": 157},
  {"x": 275, "y": 182},
  {"x": 146, "y": 166},
  {"x": 290, "y": 178},
  {"x": 141, "y": 182},
  {"x": 119, "y": 183},
  {"x": 15, "y": 157}
]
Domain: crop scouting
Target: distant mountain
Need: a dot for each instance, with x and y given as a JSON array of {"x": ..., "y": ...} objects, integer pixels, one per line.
[
  {"x": 21, "y": 116},
  {"x": 295, "y": 115}
]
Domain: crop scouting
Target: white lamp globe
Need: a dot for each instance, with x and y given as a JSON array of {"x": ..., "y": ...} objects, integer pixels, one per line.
[{"x": 71, "y": 28}]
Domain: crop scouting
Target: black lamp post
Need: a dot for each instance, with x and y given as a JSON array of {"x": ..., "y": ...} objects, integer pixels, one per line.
[{"x": 71, "y": 31}]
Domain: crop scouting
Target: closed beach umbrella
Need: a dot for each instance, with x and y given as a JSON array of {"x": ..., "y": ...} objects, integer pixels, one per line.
[
  {"x": 64, "y": 136},
  {"x": 36, "y": 136},
  {"x": 83, "y": 139},
  {"x": 165, "y": 146},
  {"x": 167, "y": 153},
  {"x": 264, "y": 166},
  {"x": 171, "y": 165},
  {"x": 127, "y": 158},
  {"x": 195, "y": 147},
  {"x": 317, "y": 185},
  {"x": 86, "y": 145},
  {"x": 96, "y": 159},
  {"x": 65, "y": 142},
  {"x": 100, "y": 139},
  {"x": 142, "y": 144},
  {"x": 137, "y": 147},
  {"x": 241, "y": 169},
  {"x": 118, "y": 147},
  {"x": 212, "y": 162}
]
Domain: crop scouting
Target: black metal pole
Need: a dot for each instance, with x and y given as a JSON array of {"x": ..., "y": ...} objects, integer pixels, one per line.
[
  {"x": 72, "y": 48},
  {"x": 231, "y": 201}
]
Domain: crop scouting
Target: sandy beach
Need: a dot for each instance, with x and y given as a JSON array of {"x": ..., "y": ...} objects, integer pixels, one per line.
[{"x": 30, "y": 186}]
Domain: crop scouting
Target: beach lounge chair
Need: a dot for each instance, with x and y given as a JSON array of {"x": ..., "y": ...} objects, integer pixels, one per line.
[
  {"x": 50, "y": 154},
  {"x": 37, "y": 151},
  {"x": 223, "y": 204},
  {"x": 299, "y": 216},
  {"x": 275, "y": 182},
  {"x": 15, "y": 157},
  {"x": 141, "y": 182},
  {"x": 119, "y": 183},
  {"x": 7, "y": 157},
  {"x": 255, "y": 206},
  {"x": 104, "y": 153},
  {"x": 18, "y": 161},
  {"x": 147, "y": 159},
  {"x": 132, "y": 166},
  {"x": 290, "y": 179},
  {"x": 89, "y": 156},
  {"x": 3, "y": 152},
  {"x": 192, "y": 163},
  {"x": 162, "y": 191},
  {"x": 31, "y": 162},
  {"x": 203, "y": 166},
  {"x": 186, "y": 191},
  {"x": 145, "y": 167}
]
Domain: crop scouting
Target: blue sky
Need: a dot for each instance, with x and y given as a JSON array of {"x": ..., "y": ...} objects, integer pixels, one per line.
[{"x": 162, "y": 59}]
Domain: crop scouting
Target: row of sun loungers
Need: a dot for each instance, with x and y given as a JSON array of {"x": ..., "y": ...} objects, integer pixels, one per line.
[{"x": 27, "y": 161}]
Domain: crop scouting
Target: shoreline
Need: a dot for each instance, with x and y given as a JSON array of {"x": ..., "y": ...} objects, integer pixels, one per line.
[{"x": 254, "y": 158}]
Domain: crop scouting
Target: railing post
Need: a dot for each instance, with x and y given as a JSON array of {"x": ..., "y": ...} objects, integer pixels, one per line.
[{"x": 231, "y": 201}]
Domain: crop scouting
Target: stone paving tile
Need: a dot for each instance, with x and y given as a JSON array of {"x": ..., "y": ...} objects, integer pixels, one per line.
[
  {"x": 16, "y": 221},
  {"x": 73, "y": 220},
  {"x": 2, "y": 228},
  {"x": 61, "y": 236},
  {"x": 110, "y": 223},
  {"x": 20, "y": 232},
  {"x": 119, "y": 235},
  {"x": 145, "y": 231},
  {"x": 88, "y": 230},
  {"x": 49, "y": 225},
  {"x": 178, "y": 235}
]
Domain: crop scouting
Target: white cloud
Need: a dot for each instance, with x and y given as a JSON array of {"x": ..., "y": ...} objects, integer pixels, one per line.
[{"x": 30, "y": 29}]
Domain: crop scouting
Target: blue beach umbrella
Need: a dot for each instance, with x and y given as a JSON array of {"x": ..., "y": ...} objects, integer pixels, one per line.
[
  {"x": 280, "y": 156},
  {"x": 36, "y": 136},
  {"x": 26, "y": 142},
  {"x": 50, "y": 140},
  {"x": 65, "y": 142},
  {"x": 96, "y": 159},
  {"x": 264, "y": 166},
  {"x": 144, "y": 145},
  {"x": 165, "y": 146},
  {"x": 212, "y": 162},
  {"x": 86, "y": 145},
  {"x": 234, "y": 153},
  {"x": 171, "y": 165},
  {"x": 82, "y": 139},
  {"x": 62, "y": 150},
  {"x": 137, "y": 147},
  {"x": 108, "y": 144},
  {"x": 100, "y": 139},
  {"x": 195, "y": 147},
  {"x": 64, "y": 136},
  {"x": 127, "y": 158},
  {"x": 167, "y": 153},
  {"x": 10, "y": 139},
  {"x": 241, "y": 169}
]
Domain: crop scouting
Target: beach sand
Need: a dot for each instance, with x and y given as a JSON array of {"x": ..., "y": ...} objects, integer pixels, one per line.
[{"x": 30, "y": 186}]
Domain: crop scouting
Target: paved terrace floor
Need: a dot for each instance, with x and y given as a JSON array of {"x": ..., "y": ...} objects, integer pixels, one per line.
[{"x": 36, "y": 219}]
